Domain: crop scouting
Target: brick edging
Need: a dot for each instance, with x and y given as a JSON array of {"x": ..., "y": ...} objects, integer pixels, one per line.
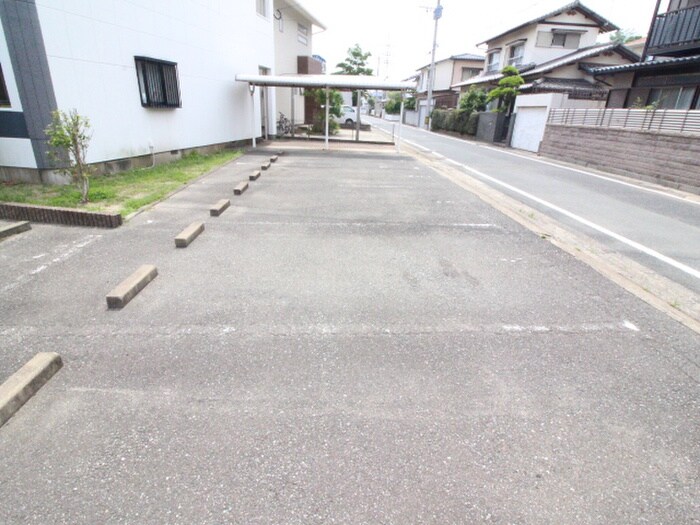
[{"x": 52, "y": 215}]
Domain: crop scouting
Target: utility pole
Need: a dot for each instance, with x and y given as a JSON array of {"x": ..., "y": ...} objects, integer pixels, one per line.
[{"x": 437, "y": 14}]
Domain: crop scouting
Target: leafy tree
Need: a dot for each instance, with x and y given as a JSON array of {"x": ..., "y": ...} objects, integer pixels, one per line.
[
  {"x": 355, "y": 64},
  {"x": 473, "y": 100},
  {"x": 69, "y": 138},
  {"x": 507, "y": 88},
  {"x": 335, "y": 108},
  {"x": 393, "y": 104},
  {"x": 623, "y": 36}
]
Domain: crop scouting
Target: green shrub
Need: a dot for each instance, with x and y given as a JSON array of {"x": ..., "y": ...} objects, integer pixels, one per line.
[
  {"x": 472, "y": 124},
  {"x": 473, "y": 100},
  {"x": 438, "y": 119},
  {"x": 461, "y": 120}
]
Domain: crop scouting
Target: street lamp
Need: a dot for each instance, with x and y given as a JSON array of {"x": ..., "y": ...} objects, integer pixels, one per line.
[{"x": 437, "y": 14}]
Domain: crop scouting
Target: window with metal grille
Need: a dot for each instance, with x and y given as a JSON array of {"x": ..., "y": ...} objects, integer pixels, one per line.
[
  {"x": 158, "y": 83},
  {"x": 4, "y": 95}
]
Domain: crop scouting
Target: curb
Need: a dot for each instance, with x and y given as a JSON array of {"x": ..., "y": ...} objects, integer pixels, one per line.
[
  {"x": 52, "y": 215},
  {"x": 14, "y": 229},
  {"x": 120, "y": 296},
  {"x": 23, "y": 384}
]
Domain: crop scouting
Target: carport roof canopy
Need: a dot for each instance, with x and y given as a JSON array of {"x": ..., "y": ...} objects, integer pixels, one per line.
[{"x": 341, "y": 82}]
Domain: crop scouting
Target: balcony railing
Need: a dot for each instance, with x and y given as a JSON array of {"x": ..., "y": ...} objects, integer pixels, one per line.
[{"x": 676, "y": 32}]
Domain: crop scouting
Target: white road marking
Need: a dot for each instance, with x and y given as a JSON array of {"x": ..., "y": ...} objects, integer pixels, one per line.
[
  {"x": 548, "y": 163},
  {"x": 39, "y": 269},
  {"x": 630, "y": 325},
  {"x": 61, "y": 257},
  {"x": 629, "y": 242}
]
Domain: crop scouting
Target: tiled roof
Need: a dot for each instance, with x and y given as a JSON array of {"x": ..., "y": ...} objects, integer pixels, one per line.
[
  {"x": 651, "y": 64},
  {"x": 463, "y": 56},
  {"x": 605, "y": 25},
  {"x": 564, "y": 85},
  {"x": 468, "y": 56},
  {"x": 546, "y": 67}
]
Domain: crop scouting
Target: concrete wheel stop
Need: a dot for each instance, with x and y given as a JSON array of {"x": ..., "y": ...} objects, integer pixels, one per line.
[
  {"x": 240, "y": 188},
  {"x": 189, "y": 234},
  {"x": 6, "y": 230},
  {"x": 219, "y": 208},
  {"x": 23, "y": 384},
  {"x": 131, "y": 286}
]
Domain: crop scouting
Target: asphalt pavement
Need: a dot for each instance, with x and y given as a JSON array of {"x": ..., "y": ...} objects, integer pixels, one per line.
[
  {"x": 655, "y": 226},
  {"x": 355, "y": 340}
]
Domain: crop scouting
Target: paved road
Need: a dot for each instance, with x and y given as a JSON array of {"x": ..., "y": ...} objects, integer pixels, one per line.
[
  {"x": 656, "y": 228},
  {"x": 357, "y": 340}
]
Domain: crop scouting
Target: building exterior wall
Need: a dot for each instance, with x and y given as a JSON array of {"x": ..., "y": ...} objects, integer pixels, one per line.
[
  {"x": 90, "y": 49},
  {"x": 669, "y": 159},
  {"x": 14, "y": 150},
  {"x": 288, "y": 47},
  {"x": 537, "y": 54},
  {"x": 477, "y": 65}
]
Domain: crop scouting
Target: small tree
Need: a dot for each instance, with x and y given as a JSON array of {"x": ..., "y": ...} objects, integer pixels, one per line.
[
  {"x": 69, "y": 138},
  {"x": 355, "y": 64},
  {"x": 507, "y": 90},
  {"x": 622, "y": 36},
  {"x": 393, "y": 103},
  {"x": 473, "y": 100},
  {"x": 335, "y": 105}
]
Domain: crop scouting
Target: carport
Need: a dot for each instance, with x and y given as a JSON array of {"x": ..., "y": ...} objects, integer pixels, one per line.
[{"x": 327, "y": 82}]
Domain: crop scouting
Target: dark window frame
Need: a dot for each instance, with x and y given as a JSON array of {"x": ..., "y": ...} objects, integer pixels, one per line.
[
  {"x": 4, "y": 94},
  {"x": 159, "y": 83}
]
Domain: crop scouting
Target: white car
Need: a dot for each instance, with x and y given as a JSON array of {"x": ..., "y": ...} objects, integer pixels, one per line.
[{"x": 348, "y": 116}]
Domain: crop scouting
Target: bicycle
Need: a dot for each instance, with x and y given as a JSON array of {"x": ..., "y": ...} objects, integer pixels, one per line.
[{"x": 284, "y": 125}]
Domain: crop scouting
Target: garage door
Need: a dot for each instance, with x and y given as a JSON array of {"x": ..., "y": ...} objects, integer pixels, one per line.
[{"x": 529, "y": 128}]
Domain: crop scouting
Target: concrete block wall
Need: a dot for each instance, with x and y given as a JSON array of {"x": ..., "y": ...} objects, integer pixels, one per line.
[{"x": 669, "y": 159}]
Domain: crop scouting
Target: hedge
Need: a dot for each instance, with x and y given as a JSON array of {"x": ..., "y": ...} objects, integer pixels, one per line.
[{"x": 456, "y": 120}]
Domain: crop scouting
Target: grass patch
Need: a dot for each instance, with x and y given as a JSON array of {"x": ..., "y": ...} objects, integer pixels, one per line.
[{"x": 124, "y": 192}]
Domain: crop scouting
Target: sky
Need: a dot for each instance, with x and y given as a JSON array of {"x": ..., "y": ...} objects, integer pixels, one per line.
[{"x": 399, "y": 33}]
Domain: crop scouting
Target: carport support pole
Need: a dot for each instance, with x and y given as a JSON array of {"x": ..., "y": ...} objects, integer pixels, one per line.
[
  {"x": 293, "y": 100},
  {"x": 398, "y": 140},
  {"x": 251, "y": 88},
  {"x": 357, "y": 118},
  {"x": 327, "y": 115}
]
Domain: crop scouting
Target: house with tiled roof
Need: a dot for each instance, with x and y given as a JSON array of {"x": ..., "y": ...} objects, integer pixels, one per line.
[
  {"x": 554, "y": 54},
  {"x": 668, "y": 76},
  {"x": 448, "y": 72}
]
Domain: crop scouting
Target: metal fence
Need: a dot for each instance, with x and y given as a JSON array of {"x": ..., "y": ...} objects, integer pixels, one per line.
[{"x": 677, "y": 121}]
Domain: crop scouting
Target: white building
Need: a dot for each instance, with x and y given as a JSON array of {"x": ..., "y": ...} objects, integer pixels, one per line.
[
  {"x": 152, "y": 77},
  {"x": 294, "y": 29},
  {"x": 448, "y": 72}
]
